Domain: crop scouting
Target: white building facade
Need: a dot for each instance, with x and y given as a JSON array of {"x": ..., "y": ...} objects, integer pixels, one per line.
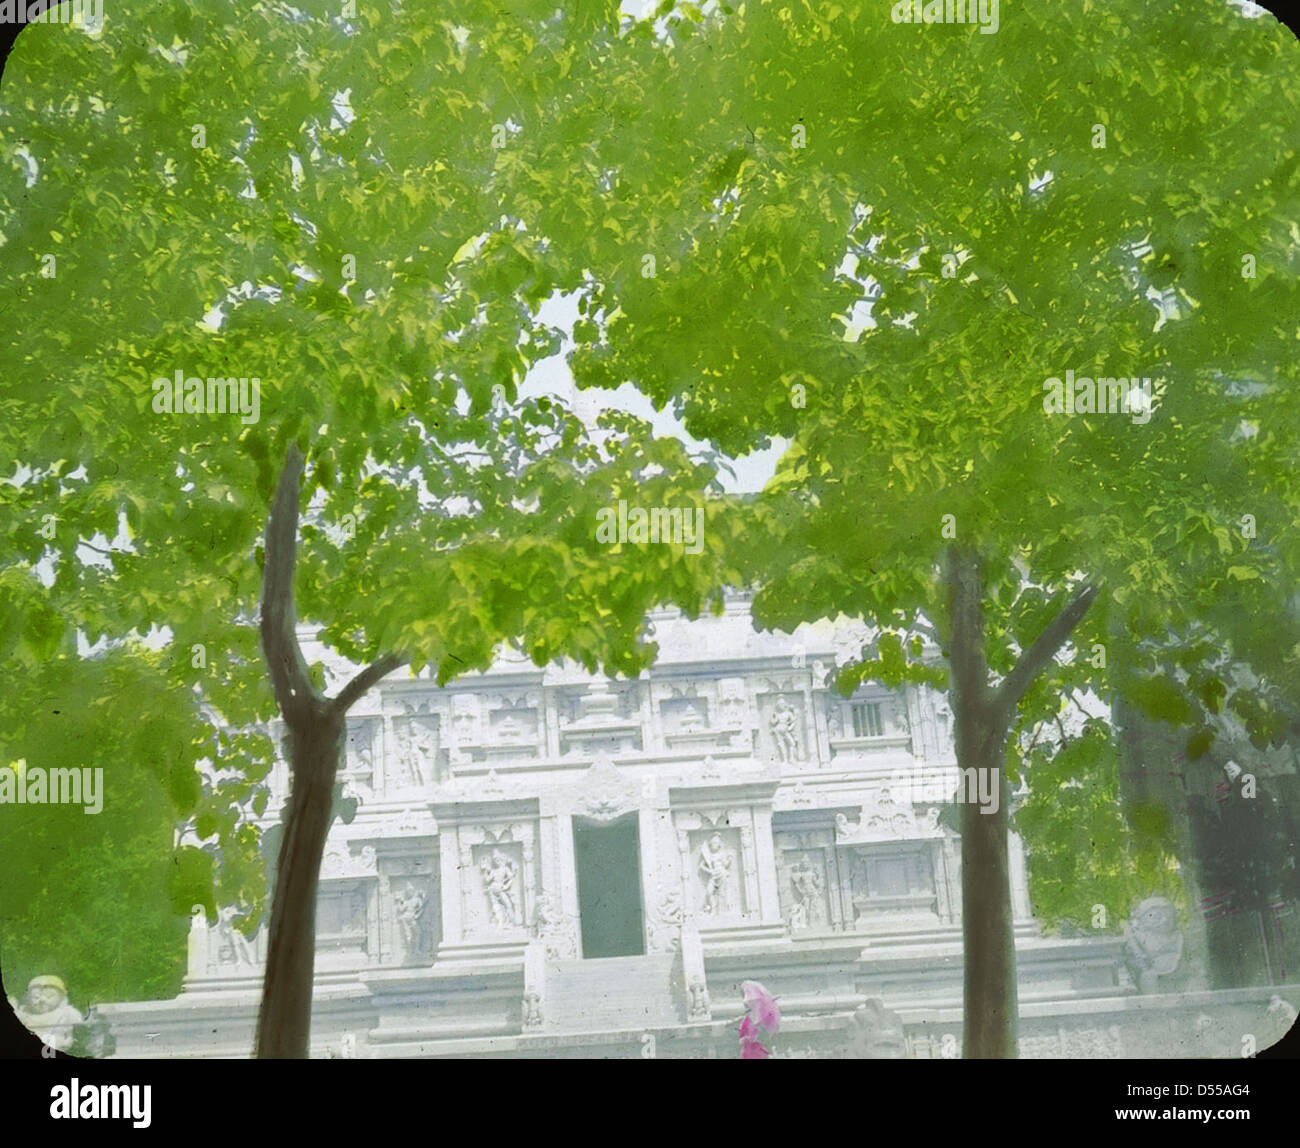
[{"x": 547, "y": 864}]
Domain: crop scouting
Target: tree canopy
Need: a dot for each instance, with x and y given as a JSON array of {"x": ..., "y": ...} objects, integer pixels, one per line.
[
  {"x": 360, "y": 214},
  {"x": 878, "y": 242},
  {"x": 901, "y": 245}
]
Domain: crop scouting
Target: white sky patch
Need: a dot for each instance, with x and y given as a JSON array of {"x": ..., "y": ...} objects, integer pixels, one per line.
[
  {"x": 1166, "y": 304},
  {"x": 29, "y": 163},
  {"x": 1038, "y": 185},
  {"x": 343, "y": 113},
  {"x": 552, "y": 377},
  {"x": 178, "y": 53},
  {"x": 858, "y": 319},
  {"x": 302, "y": 221}
]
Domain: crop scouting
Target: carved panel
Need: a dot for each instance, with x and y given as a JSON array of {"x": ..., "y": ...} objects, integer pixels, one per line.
[
  {"x": 664, "y": 919},
  {"x": 685, "y": 714},
  {"x": 413, "y": 764},
  {"x": 603, "y": 793},
  {"x": 414, "y": 910},
  {"x": 229, "y": 951},
  {"x": 734, "y": 703},
  {"x": 716, "y": 872},
  {"x": 887, "y": 815},
  {"x": 341, "y": 919},
  {"x": 465, "y": 720},
  {"x": 500, "y": 873},
  {"x": 363, "y": 735},
  {"x": 514, "y": 722},
  {"x": 341, "y": 861},
  {"x": 806, "y": 879},
  {"x": 895, "y": 882},
  {"x": 784, "y": 732},
  {"x": 556, "y": 929}
]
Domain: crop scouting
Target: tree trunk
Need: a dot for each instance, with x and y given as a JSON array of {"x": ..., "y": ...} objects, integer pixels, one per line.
[
  {"x": 991, "y": 1002},
  {"x": 991, "y": 1005},
  {"x": 983, "y": 718},
  {"x": 317, "y": 727},
  {"x": 284, "y": 1021}
]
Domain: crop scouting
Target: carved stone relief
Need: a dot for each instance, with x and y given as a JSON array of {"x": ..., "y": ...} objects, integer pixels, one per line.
[
  {"x": 887, "y": 815},
  {"x": 664, "y": 921},
  {"x": 733, "y": 704},
  {"x": 499, "y": 873},
  {"x": 414, "y": 764},
  {"x": 716, "y": 861},
  {"x": 556, "y": 929},
  {"x": 783, "y": 727},
  {"x": 232, "y": 949},
  {"x": 413, "y": 912},
  {"x": 465, "y": 723},
  {"x": 804, "y": 880},
  {"x": 340, "y": 861}
]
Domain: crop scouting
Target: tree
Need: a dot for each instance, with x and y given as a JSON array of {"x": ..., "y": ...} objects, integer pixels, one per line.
[
  {"x": 90, "y": 889},
  {"x": 899, "y": 245},
  {"x": 347, "y": 226}
]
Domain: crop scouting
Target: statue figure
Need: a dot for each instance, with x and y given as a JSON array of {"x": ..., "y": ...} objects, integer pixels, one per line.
[
  {"x": 233, "y": 948},
  {"x": 835, "y": 723},
  {"x": 943, "y": 724},
  {"x": 784, "y": 725},
  {"x": 1153, "y": 943},
  {"x": 499, "y": 874},
  {"x": 699, "y": 1005},
  {"x": 670, "y": 908},
  {"x": 532, "y": 1011},
  {"x": 361, "y": 756},
  {"x": 409, "y": 906},
  {"x": 417, "y": 744},
  {"x": 716, "y": 863},
  {"x": 45, "y": 1011},
  {"x": 553, "y": 930},
  {"x": 806, "y": 882}
]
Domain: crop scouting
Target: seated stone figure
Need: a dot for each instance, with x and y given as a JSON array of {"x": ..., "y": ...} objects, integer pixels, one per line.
[
  {"x": 45, "y": 1011},
  {"x": 1153, "y": 943}
]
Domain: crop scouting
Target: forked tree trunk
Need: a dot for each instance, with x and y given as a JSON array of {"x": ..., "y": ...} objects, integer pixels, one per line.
[
  {"x": 317, "y": 726},
  {"x": 983, "y": 719}
]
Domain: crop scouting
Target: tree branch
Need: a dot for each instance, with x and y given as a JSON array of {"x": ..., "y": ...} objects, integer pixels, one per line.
[
  {"x": 1038, "y": 732},
  {"x": 289, "y": 677},
  {"x": 356, "y": 688},
  {"x": 1034, "y": 660},
  {"x": 1074, "y": 694}
]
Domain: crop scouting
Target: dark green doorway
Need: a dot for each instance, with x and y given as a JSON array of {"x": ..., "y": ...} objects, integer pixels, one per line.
[{"x": 607, "y": 857}]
